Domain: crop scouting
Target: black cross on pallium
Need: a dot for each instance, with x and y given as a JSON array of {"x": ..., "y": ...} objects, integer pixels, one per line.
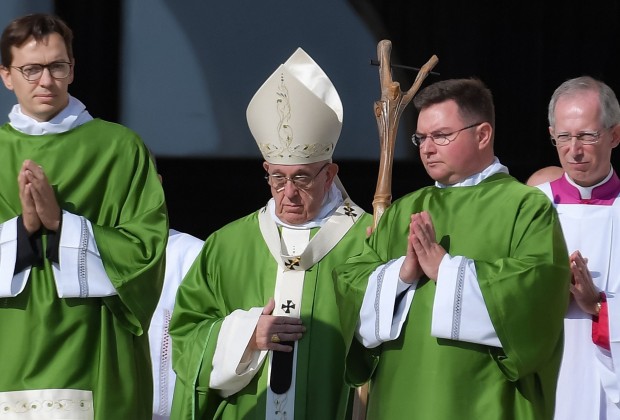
[
  {"x": 292, "y": 263},
  {"x": 349, "y": 211},
  {"x": 289, "y": 305}
]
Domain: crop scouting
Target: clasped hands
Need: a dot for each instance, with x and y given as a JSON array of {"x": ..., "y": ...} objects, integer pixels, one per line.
[
  {"x": 272, "y": 330},
  {"x": 424, "y": 254},
  {"x": 582, "y": 286},
  {"x": 39, "y": 204}
]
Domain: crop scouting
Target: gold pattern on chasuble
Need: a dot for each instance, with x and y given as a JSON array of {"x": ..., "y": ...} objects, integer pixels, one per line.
[{"x": 291, "y": 263}]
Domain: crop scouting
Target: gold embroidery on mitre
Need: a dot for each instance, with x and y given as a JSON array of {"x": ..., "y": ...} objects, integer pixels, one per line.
[{"x": 285, "y": 133}]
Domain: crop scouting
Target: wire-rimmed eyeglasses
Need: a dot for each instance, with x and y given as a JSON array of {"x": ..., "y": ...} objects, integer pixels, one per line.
[
  {"x": 440, "y": 139},
  {"x": 303, "y": 182},
  {"x": 585, "y": 137},
  {"x": 33, "y": 72}
]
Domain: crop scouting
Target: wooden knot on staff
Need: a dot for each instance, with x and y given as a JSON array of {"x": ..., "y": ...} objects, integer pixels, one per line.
[{"x": 388, "y": 111}]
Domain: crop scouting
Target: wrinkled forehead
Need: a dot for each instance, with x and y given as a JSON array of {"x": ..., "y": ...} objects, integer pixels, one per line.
[
  {"x": 308, "y": 168},
  {"x": 576, "y": 110}
]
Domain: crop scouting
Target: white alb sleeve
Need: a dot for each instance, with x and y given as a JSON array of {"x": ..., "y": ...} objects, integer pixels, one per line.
[
  {"x": 80, "y": 271},
  {"x": 233, "y": 366},
  {"x": 459, "y": 310},
  {"x": 380, "y": 320},
  {"x": 10, "y": 285}
]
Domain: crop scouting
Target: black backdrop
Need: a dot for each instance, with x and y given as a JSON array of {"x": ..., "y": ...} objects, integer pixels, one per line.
[{"x": 521, "y": 50}]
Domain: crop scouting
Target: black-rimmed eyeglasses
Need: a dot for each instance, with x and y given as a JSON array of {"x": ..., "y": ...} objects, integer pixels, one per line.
[
  {"x": 33, "y": 72},
  {"x": 440, "y": 139},
  {"x": 303, "y": 182}
]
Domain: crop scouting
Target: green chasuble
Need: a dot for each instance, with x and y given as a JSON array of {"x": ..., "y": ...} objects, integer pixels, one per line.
[
  {"x": 515, "y": 240},
  {"x": 237, "y": 271},
  {"x": 102, "y": 172}
]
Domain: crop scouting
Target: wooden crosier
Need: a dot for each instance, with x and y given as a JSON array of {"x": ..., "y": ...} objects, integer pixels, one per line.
[{"x": 388, "y": 111}]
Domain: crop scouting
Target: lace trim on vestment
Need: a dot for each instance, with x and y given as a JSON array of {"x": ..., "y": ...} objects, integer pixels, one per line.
[
  {"x": 458, "y": 300},
  {"x": 81, "y": 266},
  {"x": 378, "y": 296},
  {"x": 164, "y": 365}
]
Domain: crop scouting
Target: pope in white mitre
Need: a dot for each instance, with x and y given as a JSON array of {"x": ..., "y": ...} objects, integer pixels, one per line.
[{"x": 255, "y": 329}]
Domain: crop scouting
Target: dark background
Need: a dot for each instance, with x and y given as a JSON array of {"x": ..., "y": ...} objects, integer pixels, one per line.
[{"x": 521, "y": 50}]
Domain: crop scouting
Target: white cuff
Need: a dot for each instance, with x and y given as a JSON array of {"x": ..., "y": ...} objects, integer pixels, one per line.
[
  {"x": 379, "y": 320},
  {"x": 10, "y": 285},
  {"x": 459, "y": 310},
  {"x": 80, "y": 272},
  {"x": 235, "y": 334}
]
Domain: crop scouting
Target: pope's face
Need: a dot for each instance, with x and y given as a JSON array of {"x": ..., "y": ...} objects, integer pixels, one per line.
[
  {"x": 42, "y": 99},
  {"x": 457, "y": 160},
  {"x": 585, "y": 164},
  {"x": 295, "y": 205}
]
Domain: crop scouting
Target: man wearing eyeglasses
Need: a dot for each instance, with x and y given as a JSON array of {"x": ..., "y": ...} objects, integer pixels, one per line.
[
  {"x": 584, "y": 123},
  {"x": 255, "y": 327},
  {"x": 82, "y": 239},
  {"x": 461, "y": 291}
]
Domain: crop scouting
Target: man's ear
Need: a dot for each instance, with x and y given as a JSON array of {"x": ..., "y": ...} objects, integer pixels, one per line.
[
  {"x": 6, "y": 77},
  {"x": 615, "y": 135},
  {"x": 266, "y": 166},
  {"x": 484, "y": 135},
  {"x": 332, "y": 170},
  {"x": 71, "y": 73}
]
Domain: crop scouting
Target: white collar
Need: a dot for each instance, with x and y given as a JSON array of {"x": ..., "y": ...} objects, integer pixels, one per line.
[
  {"x": 476, "y": 179},
  {"x": 331, "y": 202},
  {"x": 73, "y": 115},
  {"x": 586, "y": 192}
]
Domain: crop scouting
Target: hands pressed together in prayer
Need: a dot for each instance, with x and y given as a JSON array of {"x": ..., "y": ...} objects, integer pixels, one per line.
[
  {"x": 271, "y": 330},
  {"x": 423, "y": 252},
  {"x": 39, "y": 204},
  {"x": 582, "y": 287}
]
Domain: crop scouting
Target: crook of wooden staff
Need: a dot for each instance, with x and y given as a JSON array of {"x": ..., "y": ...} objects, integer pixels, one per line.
[{"x": 387, "y": 112}]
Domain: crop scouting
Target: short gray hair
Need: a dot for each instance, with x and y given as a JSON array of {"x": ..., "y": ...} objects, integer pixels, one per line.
[{"x": 610, "y": 110}]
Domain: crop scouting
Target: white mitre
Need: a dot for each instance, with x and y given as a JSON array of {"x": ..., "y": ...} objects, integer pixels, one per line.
[{"x": 296, "y": 115}]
